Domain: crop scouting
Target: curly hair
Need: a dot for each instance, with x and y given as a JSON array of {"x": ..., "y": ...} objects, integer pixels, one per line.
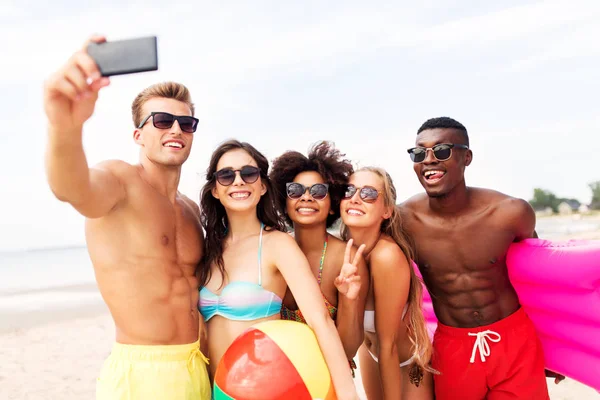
[
  {"x": 324, "y": 159},
  {"x": 213, "y": 216}
]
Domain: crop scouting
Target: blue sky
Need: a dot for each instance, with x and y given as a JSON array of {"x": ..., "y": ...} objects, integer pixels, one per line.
[{"x": 521, "y": 75}]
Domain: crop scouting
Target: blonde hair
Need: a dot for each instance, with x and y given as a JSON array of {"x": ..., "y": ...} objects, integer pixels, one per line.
[
  {"x": 168, "y": 90},
  {"x": 418, "y": 335}
]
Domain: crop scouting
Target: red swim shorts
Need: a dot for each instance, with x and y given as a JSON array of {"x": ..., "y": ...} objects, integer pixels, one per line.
[{"x": 503, "y": 360}]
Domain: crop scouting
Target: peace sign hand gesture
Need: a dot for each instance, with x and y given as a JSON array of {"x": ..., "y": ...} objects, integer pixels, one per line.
[{"x": 348, "y": 282}]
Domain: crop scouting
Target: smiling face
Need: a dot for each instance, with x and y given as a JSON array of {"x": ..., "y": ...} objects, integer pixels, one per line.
[
  {"x": 439, "y": 178},
  {"x": 171, "y": 146},
  {"x": 307, "y": 211},
  {"x": 358, "y": 213},
  {"x": 239, "y": 196}
]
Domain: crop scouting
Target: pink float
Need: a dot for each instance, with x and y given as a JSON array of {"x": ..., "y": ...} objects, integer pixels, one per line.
[{"x": 558, "y": 283}]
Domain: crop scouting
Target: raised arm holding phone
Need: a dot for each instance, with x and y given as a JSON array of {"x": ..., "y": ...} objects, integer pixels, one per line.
[{"x": 144, "y": 237}]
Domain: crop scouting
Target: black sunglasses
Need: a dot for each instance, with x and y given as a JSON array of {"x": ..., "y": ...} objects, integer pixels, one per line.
[
  {"x": 226, "y": 176},
  {"x": 163, "y": 120},
  {"x": 367, "y": 193},
  {"x": 318, "y": 191},
  {"x": 441, "y": 152}
]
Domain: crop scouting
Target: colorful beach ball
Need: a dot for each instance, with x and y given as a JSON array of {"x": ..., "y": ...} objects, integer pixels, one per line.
[{"x": 274, "y": 360}]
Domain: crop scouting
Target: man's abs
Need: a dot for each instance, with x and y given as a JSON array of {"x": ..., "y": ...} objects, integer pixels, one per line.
[
  {"x": 474, "y": 307},
  {"x": 145, "y": 259},
  {"x": 468, "y": 278},
  {"x": 150, "y": 303}
]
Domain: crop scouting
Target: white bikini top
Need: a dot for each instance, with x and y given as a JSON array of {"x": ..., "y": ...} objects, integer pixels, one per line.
[{"x": 369, "y": 322}]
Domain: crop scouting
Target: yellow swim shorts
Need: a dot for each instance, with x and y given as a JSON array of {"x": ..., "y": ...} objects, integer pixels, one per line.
[{"x": 154, "y": 372}]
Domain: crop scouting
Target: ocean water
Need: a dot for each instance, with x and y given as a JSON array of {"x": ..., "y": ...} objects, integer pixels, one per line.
[
  {"x": 33, "y": 283},
  {"x": 43, "y": 279},
  {"x": 42, "y": 269}
]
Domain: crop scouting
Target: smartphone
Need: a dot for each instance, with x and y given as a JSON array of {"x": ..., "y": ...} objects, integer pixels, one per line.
[{"x": 125, "y": 56}]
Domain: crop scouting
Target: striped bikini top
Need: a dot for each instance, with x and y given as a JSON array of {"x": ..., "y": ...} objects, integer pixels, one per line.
[
  {"x": 240, "y": 300},
  {"x": 296, "y": 315}
]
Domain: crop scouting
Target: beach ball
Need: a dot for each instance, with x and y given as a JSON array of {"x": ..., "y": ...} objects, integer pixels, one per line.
[{"x": 274, "y": 360}]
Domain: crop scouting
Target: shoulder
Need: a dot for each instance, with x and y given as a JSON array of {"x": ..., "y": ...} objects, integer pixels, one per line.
[
  {"x": 116, "y": 166},
  {"x": 387, "y": 257},
  {"x": 511, "y": 213},
  {"x": 123, "y": 171},
  {"x": 280, "y": 247},
  {"x": 414, "y": 203},
  {"x": 506, "y": 205},
  {"x": 517, "y": 208},
  {"x": 336, "y": 251},
  {"x": 338, "y": 245},
  {"x": 273, "y": 237},
  {"x": 520, "y": 217},
  {"x": 412, "y": 207},
  {"x": 190, "y": 204}
]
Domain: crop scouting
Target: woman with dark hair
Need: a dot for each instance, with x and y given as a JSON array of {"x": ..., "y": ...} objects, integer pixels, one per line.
[
  {"x": 249, "y": 263},
  {"x": 309, "y": 191},
  {"x": 394, "y": 360}
]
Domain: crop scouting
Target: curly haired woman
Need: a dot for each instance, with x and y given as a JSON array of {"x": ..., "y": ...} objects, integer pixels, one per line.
[{"x": 310, "y": 190}]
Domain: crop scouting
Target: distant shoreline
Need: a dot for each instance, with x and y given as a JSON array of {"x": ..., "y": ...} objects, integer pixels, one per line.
[
  {"x": 77, "y": 287},
  {"x": 591, "y": 216},
  {"x": 42, "y": 249}
]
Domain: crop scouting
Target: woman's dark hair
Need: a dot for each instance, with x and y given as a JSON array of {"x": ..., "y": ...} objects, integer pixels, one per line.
[
  {"x": 213, "y": 216},
  {"x": 324, "y": 159}
]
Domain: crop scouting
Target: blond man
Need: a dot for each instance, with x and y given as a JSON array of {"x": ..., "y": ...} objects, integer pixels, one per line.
[{"x": 143, "y": 236}]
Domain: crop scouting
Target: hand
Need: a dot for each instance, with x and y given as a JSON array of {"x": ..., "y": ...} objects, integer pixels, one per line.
[
  {"x": 557, "y": 377},
  {"x": 70, "y": 93},
  {"x": 347, "y": 282}
]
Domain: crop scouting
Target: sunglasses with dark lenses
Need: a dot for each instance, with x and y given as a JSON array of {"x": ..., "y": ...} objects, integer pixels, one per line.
[
  {"x": 163, "y": 120},
  {"x": 226, "y": 176},
  {"x": 441, "y": 152},
  {"x": 318, "y": 191},
  {"x": 367, "y": 193}
]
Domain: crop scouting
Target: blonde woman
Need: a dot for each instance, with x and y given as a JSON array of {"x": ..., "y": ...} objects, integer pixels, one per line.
[{"x": 394, "y": 358}]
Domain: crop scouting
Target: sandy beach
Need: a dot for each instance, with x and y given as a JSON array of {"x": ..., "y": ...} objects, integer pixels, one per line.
[
  {"x": 55, "y": 351},
  {"x": 61, "y": 360}
]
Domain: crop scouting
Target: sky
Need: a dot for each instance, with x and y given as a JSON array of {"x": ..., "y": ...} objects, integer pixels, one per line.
[{"x": 522, "y": 76}]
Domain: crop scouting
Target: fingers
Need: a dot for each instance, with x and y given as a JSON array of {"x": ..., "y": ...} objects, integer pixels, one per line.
[
  {"x": 80, "y": 78},
  {"x": 87, "y": 64},
  {"x": 62, "y": 86},
  {"x": 76, "y": 78},
  {"x": 358, "y": 255},
  {"x": 93, "y": 39},
  {"x": 347, "y": 279},
  {"x": 348, "y": 251},
  {"x": 338, "y": 281},
  {"x": 348, "y": 270},
  {"x": 99, "y": 84}
]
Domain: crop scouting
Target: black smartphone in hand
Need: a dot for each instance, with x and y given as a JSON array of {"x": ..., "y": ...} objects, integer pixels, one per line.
[{"x": 125, "y": 56}]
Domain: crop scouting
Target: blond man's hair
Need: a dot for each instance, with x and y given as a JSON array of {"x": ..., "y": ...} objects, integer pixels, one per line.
[{"x": 168, "y": 90}]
